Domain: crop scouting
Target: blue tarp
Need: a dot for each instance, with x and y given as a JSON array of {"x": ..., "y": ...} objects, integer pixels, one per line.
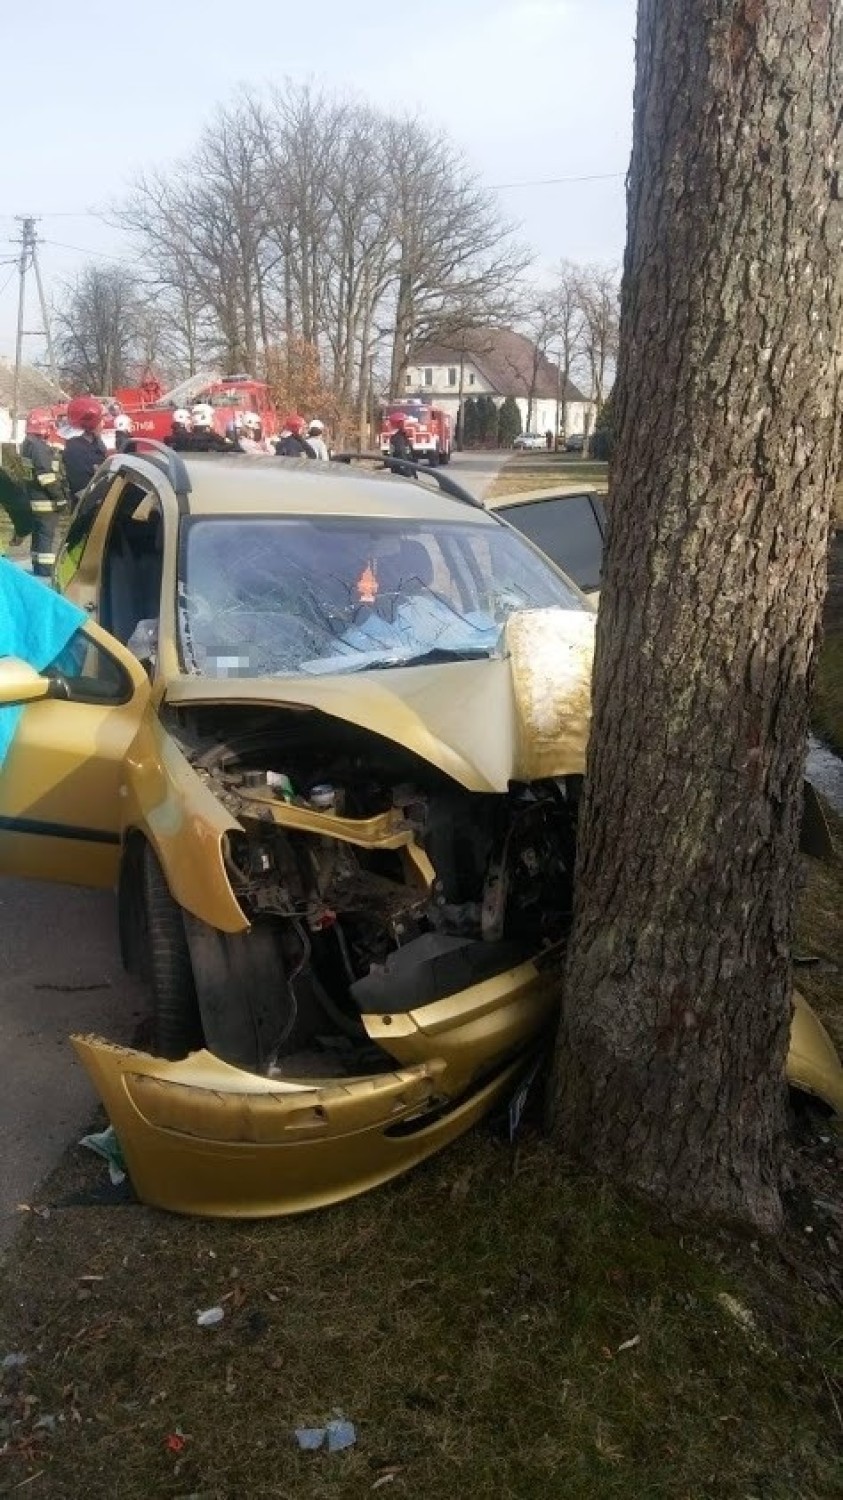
[{"x": 35, "y": 625}]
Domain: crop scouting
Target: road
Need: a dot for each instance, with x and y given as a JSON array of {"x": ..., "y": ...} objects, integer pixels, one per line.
[
  {"x": 61, "y": 968},
  {"x": 476, "y": 471},
  {"x": 61, "y": 973}
]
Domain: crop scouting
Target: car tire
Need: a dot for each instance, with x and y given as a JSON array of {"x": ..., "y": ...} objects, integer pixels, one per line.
[
  {"x": 177, "y": 1027},
  {"x": 433, "y": 457},
  {"x": 445, "y": 458}
]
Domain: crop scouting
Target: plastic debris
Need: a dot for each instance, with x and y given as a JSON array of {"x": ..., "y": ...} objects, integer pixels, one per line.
[
  {"x": 14, "y": 1361},
  {"x": 106, "y": 1145},
  {"x": 336, "y": 1436},
  {"x": 629, "y": 1343},
  {"x": 175, "y": 1441},
  {"x": 210, "y": 1317},
  {"x": 310, "y": 1439},
  {"x": 737, "y": 1311}
]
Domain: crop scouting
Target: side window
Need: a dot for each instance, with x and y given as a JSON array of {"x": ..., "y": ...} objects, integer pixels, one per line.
[
  {"x": 91, "y": 674},
  {"x": 566, "y": 530},
  {"x": 79, "y": 531}
]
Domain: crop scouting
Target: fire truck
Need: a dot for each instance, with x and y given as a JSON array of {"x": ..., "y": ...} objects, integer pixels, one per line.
[
  {"x": 428, "y": 429},
  {"x": 151, "y": 409}
]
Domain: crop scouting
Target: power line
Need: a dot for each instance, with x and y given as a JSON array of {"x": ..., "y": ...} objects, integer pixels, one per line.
[
  {"x": 86, "y": 250},
  {"x": 555, "y": 181}
]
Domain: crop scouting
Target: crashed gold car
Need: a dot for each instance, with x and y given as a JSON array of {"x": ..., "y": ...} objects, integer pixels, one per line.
[{"x": 325, "y": 733}]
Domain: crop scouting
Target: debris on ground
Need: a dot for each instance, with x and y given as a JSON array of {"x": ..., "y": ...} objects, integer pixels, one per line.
[
  {"x": 336, "y": 1436},
  {"x": 210, "y": 1317},
  {"x": 106, "y": 1145}
]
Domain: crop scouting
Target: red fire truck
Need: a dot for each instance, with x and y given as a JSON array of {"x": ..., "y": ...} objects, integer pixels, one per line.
[
  {"x": 151, "y": 409},
  {"x": 428, "y": 429}
]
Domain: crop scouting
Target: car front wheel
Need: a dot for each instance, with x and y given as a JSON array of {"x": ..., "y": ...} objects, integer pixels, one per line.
[{"x": 177, "y": 1027}]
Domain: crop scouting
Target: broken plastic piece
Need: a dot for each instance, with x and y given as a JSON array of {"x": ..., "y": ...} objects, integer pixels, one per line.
[
  {"x": 14, "y": 1361},
  {"x": 106, "y": 1145},
  {"x": 336, "y": 1435},
  {"x": 310, "y": 1439},
  {"x": 210, "y": 1317}
]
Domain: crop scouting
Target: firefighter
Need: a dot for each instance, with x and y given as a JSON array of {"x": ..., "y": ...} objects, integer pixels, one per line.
[
  {"x": 401, "y": 447},
  {"x": 316, "y": 439},
  {"x": 293, "y": 443},
  {"x": 83, "y": 453},
  {"x": 204, "y": 437},
  {"x": 123, "y": 429},
  {"x": 182, "y": 428},
  {"x": 48, "y": 496}
]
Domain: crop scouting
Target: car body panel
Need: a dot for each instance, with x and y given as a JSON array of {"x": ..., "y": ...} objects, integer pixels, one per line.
[
  {"x": 200, "y": 1137},
  {"x": 484, "y": 723},
  {"x": 813, "y": 1065},
  {"x": 63, "y": 782}
]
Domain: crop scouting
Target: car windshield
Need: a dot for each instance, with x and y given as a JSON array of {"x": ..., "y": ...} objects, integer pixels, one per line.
[{"x": 270, "y": 596}]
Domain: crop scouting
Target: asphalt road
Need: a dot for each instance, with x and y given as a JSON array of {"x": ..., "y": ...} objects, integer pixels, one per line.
[
  {"x": 476, "y": 471},
  {"x": 61, "y": 973}
]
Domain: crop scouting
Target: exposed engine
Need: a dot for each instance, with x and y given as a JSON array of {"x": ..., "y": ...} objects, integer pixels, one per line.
[{"x": 388, "y": 885}]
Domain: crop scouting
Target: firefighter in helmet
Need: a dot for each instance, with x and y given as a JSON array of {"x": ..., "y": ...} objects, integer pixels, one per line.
[
  {"x": 204, "y": 437},
  {"x": 182, "y": 429},
  {"x": 123, "y": 429},
  {"x": 84, "y": 452},
  {"x": 400, "y": 447},
  {"x": 293, "y": 443},
  {"x": 47, "y": 493},
  {"x": 316, "y": 439}
]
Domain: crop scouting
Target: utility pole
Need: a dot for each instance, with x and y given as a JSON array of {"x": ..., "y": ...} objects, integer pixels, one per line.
[{"x": 29, "y": 258}]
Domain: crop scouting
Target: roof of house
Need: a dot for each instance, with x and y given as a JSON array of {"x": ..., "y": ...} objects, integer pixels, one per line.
[
  {"x": 36, "y": 389},
  {"x": 504, "y": 359}
]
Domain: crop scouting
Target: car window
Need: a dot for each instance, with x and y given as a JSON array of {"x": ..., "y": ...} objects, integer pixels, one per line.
[
  {"x": 79, "y": 531},
  {"x": 267, "y": 596},
  {"x": 91, "y": 673},
  {"x": 567, "y": 530}
]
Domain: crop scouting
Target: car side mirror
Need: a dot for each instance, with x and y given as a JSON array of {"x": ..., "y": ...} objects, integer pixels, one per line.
[{"x": 20, "y": 683}]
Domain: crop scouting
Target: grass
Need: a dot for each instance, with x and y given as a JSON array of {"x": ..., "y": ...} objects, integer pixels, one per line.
[
  {"x": 493, "y": 1326},
  {"x": 536, "y": 471}
]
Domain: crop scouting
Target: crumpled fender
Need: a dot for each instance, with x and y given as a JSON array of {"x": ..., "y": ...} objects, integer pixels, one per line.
[{"x": 185, "y": 823}]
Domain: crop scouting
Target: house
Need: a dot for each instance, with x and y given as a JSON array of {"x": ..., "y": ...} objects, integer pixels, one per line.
[
  {"x": 499, "y": 362},
  {"x": 35, "y": 389}
]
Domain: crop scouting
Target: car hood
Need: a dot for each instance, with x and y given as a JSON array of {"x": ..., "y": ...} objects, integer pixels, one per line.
[{"x": 521, "y": 716}]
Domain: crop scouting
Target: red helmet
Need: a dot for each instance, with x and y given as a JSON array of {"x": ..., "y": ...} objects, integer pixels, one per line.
[
  {"x": 39, "y": 424},
  {"x": 85, "y": 412},
  {"x": 294, "y": 423}
]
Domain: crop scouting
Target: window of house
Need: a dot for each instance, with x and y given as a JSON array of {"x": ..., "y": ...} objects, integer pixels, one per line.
[
  {"x": 428, "y": 376},
  {"x": 408, "y": 381},
  {"x": 471, "y": 377},
  {"x": 452, "y": 375}
]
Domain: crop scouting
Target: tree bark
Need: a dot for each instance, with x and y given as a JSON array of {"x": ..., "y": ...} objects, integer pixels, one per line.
[{"x": 677, "y": 999}]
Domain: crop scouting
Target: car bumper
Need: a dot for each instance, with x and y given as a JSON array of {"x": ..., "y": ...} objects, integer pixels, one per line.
[{"x": 202, "y": 1137}]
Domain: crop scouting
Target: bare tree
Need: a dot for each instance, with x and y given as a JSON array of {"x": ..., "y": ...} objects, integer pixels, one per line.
[
  {"x": 597, "y": 294},
  {"x": 569, "y": 334},
  {"x": 678, "y": 992},
  {"x": 99, "y": 325}
]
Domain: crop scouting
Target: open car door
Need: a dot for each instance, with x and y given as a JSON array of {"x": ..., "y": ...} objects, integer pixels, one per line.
[{"x": 60, "y": 785}]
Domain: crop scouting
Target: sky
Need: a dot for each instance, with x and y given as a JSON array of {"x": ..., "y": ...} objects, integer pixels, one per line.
[{"x": 530, "y": 90}]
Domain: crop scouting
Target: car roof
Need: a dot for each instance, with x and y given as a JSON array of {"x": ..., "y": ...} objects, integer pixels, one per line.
[
  {"x": 252, "y": 484},
  {"x": 530, "y": 497}
]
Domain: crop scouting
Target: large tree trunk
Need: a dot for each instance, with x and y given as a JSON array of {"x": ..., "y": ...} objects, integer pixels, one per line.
[{"x": 677, "y": 1002}]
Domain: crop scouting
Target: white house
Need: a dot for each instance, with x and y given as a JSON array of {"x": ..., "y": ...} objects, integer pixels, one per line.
[{"x": 499, "y": 362}]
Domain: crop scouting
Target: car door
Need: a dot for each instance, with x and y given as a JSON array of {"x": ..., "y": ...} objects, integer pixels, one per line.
[
  {"x": 568, "y": 528},
  {"x": 60, "y": 785}
]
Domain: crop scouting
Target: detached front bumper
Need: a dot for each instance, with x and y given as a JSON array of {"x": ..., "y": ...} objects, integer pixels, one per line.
[{"x": 201, "y": 1137}]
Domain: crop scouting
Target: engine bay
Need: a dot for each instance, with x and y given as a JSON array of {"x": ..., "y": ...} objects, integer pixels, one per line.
[{"x": 384, "y": 884}]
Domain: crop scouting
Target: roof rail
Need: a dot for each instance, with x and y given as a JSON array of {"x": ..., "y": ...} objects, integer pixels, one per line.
[
  {"x": 401, "y": 466},
  {"x": 164, "y": 458}
]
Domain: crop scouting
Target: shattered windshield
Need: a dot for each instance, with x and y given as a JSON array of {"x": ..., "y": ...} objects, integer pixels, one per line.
[{"x": 269, "y": 596}]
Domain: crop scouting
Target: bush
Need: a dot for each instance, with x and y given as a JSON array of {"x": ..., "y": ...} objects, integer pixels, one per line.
[{"x": 509, "y": 422}]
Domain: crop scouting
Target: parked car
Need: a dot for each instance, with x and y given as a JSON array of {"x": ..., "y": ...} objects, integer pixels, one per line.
[
  {"x": 325, "y": 733},
  {"x": 569, "y": 528},
  {"x": 529, "y": 440},
  {"x": 575, "y": 443}
]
